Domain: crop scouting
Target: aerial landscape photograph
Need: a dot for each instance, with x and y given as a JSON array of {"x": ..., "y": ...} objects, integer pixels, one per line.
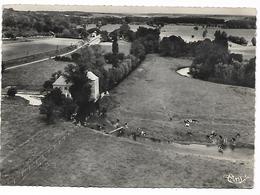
[{"x": 128, "y": 98}]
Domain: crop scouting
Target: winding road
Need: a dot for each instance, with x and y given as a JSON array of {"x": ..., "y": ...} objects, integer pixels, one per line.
[{"x": 94, "y": 41}]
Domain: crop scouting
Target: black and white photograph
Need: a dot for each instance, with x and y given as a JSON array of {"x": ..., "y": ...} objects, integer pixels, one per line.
[{"x": 128, "y": 96}]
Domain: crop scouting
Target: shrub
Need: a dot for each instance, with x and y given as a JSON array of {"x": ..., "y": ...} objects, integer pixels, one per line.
[
  {"x": 138, "y": 49},
  {"x": 253, "y": 40},
  {"x": 204, "y": 34},
  {"x": 12, "y": 92},
  {"x": 236, "y": 57},
  {"x": 172, "y": 46},
  {"x": 238, "y": 40},
  {"x": 121, "y": 56},
  {"x": 62, "y": 58},
  {"x": 68, "y": 108},
  {"x": 75, "y": 57},
  {"x": 47, "y": 108},
  {"x": 47, "y": 85}
]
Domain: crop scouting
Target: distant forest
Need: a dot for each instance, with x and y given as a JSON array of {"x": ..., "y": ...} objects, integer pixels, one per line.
[{"x": 69, "y": 24}]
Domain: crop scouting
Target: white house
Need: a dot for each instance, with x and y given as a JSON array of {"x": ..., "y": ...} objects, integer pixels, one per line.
[{"x": 64, "y": 86}]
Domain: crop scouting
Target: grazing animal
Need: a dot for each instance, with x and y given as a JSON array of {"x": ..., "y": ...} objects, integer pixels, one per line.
[
  {"x": 237, "y": 135},
  {"x": 143, "y": 133},
  {"x": 187, "y": 124},
  {"x": 126, "y": 125},
  {"x": 220, "y": 149}
]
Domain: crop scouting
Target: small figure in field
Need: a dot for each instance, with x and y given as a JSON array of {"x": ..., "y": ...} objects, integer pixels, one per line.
[
  {"x": 143, "y": 133},
  {"x": 233, "y": 141},
  {"x": 220, "y": 149},
  {"x": 116, "y": 125}
]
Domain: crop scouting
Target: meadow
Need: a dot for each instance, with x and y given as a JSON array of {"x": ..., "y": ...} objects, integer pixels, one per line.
[
  {"x": 33, "y": 76},
  {"x": 91, "y": 159},
  {"x": 124, "y": 47},
  {"x": 14, "y": 50},
  {"x": 155, "y": 92}
]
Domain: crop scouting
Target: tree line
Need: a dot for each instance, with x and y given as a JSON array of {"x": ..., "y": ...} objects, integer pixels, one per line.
[{"x": 72, "y": 24}]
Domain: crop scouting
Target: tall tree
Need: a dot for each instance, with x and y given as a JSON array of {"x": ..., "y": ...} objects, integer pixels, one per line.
[{"x": 115, "y": 46}]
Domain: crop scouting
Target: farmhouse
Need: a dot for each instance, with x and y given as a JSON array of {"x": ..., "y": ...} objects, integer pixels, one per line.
[{"x": 64, "y": 86}]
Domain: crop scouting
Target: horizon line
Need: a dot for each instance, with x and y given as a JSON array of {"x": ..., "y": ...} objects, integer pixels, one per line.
[{"x": 226, "y": 11}]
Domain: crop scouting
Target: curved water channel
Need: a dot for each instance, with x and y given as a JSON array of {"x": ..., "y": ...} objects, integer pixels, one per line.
[{"x": 184, "y": 72}]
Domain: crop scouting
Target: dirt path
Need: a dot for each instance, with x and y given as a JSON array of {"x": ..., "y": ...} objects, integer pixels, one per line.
[{"x": 45, "y": 59}]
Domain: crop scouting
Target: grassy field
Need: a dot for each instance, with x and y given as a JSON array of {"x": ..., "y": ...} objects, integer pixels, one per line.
[
  {"x": 91, "y": 159},
  {"x": 15, "y": 50},
  {"x": 33, "y": 76},
  {"x": 186, "y": 31},
  {"x": 124, "y": 47},
  {"x": 24, "y": 135},
  {"x": 154, "y": 92}
]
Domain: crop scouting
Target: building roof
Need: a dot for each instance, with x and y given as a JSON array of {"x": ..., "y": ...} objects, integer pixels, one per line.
[
  {"x": 61, "y": 81},
  {"x": 91, "y": 76}
]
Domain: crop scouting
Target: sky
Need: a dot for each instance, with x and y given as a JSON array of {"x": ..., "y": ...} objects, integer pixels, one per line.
[{"x": 135, "y": 9}]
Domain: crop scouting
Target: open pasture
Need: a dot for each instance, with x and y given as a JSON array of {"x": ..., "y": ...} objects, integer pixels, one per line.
[
  {"x": 33, "y": 76},
  {"x": 14, "y": 50},
  {"x": 124, "y": 47},
  {"x": 155, "y": 92}
]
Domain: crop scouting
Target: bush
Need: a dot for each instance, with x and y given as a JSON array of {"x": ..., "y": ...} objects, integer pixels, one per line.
[
  {"x": 253, "y": 41},
  {"x": 204, "y": 34},
  {"x": 12, "y": 92},
  {"x": 62, "y": 58},
  {"x": 75, "y": 57},
  {"x": 68, "y": 108},
  {"x": 172, "y": 46},
  {"x": 238, "y": 40},
  {"x": 121, "y": 56},
  {"x": 138, "y": 49},
  {"x": 236, "y": 57},
  {"x": 47, "y": 108},
  {"x": 47, "y": 85}
]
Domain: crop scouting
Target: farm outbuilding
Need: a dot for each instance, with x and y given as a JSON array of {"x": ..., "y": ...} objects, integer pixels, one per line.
[
  {"x": 64, "y": 86},
  {"x": 94, "y": 82}
]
